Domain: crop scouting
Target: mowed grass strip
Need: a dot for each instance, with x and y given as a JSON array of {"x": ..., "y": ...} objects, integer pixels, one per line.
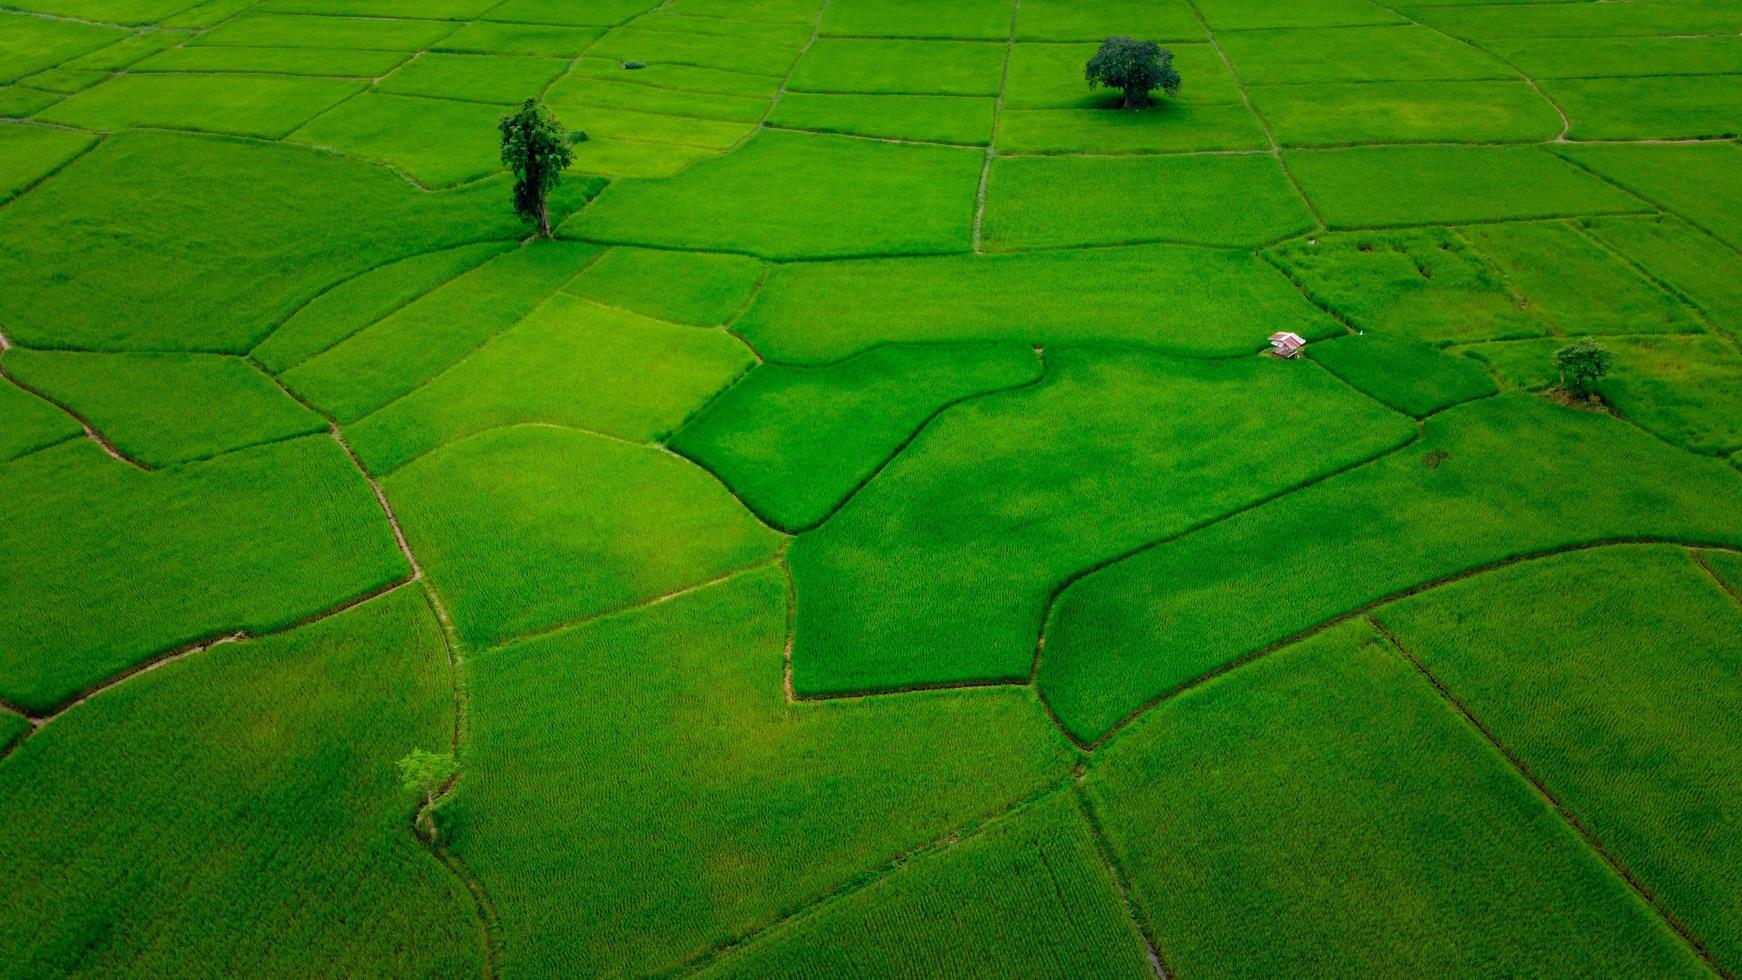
[
  {"x": 970, "y": 19},
  {"x": 268, "y": 30},
  {"x": 524, "y": 529},
  {"x": 1356, "y": 54},
  {"x": 30, "y": 153},
  {"x": 1579, "y": 21},
  {"x": 268, "y": 106},
  {"x": 1095, "y": 20},
  {"x": 1190, "y": 301},
  {"x": 571, "y": 362},
  {"x": 1029, "y": 896},
  {"x": 1167, "y": 127},
  {"x": 336, "y": 62},
  {"x": 396, "y": 354},
  {"x": 941, "y": 569},
  {"x": 1036, "y": 202},
  {"x": 783, "y": 803},
  {"x": 929, "y": 118},
  {"x": 1625, "y": 706},
  {"x": 1335, "y": 755},
  {"x": 784, "y": 195},
  {"x": 1424, "y": 284},
  {"x": 700, "y": 288},
  {"x": 163, "y": 409},
  {"x": 900, "y": 67},
  {"x": 1246, "y": 15},
  {"x": 363, "y": 299},
  {"x": 792, "y": 442},
  {"x": 277, "y": 226},
  {"x": 281, "y": 749},
  {"x": 1495, "y": 111},
  {"x": 1419, "y": 185},
  {"x": 1486, "y": 483},
  {"x": 109, "y": 566},
  {"x": 502, "y": 79}
]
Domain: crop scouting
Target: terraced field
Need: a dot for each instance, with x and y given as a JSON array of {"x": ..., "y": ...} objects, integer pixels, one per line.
[{"x": 870, "y": 538}]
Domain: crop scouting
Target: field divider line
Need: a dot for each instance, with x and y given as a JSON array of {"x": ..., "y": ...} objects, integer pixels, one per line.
[
  {"x": 167, "y": 657},
  {"x": 1121, "y": 881},
  {"x": 1708, "y": 327},
  {"x": 1656, "y": 207},
  {"x": 1269, "y": 134},
  {"x": 1730, "y": 590},
  {"x": 865, "y": 879},
  {"x": 1046, "y": 615},
  {"x": 976, "y": 237},
  {"x": 323, "y": 291},
  {"x": 69, "y": 161},
  {"x": 638, "y": 605},
  {"x": 480, "y": 346},
  {"x": 1589, "y": 838},
  {"x": 882, "y": 465},
  {"x": 91, "y": 431},
  {"x": 1258, "y": 653}
]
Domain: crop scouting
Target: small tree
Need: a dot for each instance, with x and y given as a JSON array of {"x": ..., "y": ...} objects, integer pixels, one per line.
[
  {"x": 1137, "y": 67},
  {"x": 1581, "y": 364},
  {"x": 426, "y": 772},
  {"x": 537, "y": 149}
]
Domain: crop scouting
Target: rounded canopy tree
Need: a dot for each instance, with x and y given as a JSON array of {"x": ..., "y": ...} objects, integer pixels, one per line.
[{"x": 1136, "y": 67}]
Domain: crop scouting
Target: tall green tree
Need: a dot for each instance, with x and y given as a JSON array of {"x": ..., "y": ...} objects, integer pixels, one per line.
[
  {"x": 1136, "y": 67},
  {"x": 426, "y": 772},
  {"x": 537, "y": 149},
  {"x": 1581, "y": 363}
]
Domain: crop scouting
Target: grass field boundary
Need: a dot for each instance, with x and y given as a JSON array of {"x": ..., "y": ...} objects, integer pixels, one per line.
[
  {"x": 1657, "y": 207},
  {"x": 882, "y": 465},
  {"x": 968, "y": 830},
  {"x": 487, "y": 341},
  {"x": 1121, "y": 880},
  {"x": 1590, "y": 839},
  {"x": 1700, "y": 312},
  {"x": 374, "y": 268},
  {"x": 91, "y": 431},
  {"x": 1729, "y": 589},
  {"x": 1269, "y": 134},
  {"x": 1242, "y": 660},
  {"x": 69, "y": 161},
  {"x": 975, "y": 238}
]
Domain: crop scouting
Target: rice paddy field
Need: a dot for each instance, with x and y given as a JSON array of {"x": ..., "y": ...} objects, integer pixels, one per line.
[{"x": 871, "y": 536}]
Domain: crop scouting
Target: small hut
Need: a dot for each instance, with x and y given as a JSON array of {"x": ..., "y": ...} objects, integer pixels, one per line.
[{"x": 1285, "y": 344}]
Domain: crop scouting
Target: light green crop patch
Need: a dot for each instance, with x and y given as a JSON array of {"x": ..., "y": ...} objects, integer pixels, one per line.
[{"x": 571, "y": 362}]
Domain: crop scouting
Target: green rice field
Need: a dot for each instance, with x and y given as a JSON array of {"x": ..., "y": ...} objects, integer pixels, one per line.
[{"x": 872, "y": 534}]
